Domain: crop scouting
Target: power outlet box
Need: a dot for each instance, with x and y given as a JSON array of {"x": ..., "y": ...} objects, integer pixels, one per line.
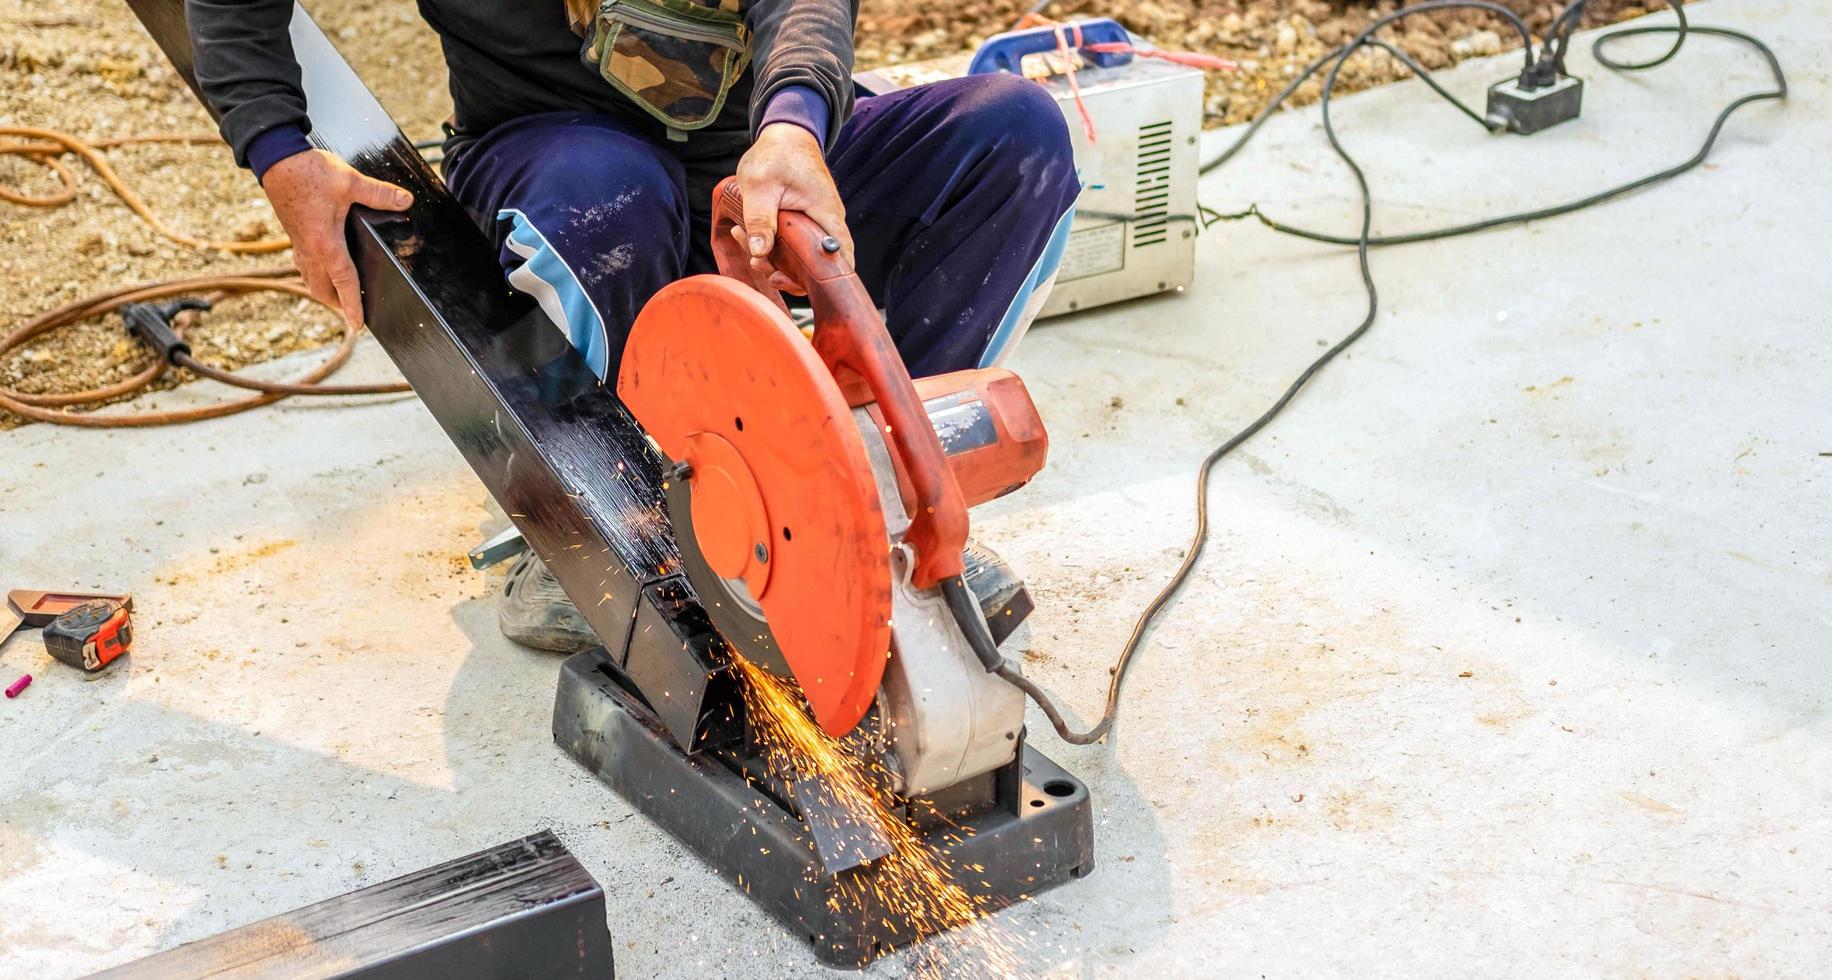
[{"x": 1524, "y": 111}]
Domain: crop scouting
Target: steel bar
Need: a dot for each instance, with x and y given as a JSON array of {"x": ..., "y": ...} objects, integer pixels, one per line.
[{"x": 525, "y": 909}]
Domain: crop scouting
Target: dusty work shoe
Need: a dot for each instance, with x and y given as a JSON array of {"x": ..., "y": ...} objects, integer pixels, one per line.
[
  {"x": 534, "y": 611},
  {"x": 1001, "y": 593}
]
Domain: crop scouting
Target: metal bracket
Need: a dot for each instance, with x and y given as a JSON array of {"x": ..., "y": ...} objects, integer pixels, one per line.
[{"x": 498, "y": 548}]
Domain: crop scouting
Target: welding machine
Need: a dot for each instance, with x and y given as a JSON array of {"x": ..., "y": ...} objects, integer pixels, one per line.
[{"x": 1135, "y": 224}]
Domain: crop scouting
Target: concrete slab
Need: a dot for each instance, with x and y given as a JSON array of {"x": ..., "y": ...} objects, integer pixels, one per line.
[{"x": 1509, "y": 655}]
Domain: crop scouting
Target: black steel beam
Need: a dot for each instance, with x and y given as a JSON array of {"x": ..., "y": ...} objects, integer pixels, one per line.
[
  {"x": 525, "y": 909},
  {"x": 555, "y": 448}
]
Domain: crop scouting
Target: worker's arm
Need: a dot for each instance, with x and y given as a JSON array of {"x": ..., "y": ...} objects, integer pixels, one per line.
[
  {"x": 801, "y": 57},
  {"x": 806, "y": 43},
  {"x": 243, "y": 56}
]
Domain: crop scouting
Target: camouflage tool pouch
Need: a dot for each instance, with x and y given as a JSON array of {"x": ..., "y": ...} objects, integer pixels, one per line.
[{"x": 677, "y": 59}]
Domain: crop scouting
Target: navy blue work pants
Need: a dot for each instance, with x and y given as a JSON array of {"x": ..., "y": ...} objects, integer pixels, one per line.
[{"x": 957, "y": 194}]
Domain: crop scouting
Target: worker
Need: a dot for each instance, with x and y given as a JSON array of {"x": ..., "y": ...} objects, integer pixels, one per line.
[{"x": 586, "y": 140}]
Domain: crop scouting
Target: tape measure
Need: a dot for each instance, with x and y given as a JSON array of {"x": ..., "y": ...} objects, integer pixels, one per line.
[
  {"x": 83, "y": 630},
  {"x": 90, "y": 636}
]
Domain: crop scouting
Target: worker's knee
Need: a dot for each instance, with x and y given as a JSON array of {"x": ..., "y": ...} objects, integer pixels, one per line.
[
  {"x": 604, "y": 193},
  {"x": 590, "y": 223},
  {"x": 1025, "y": 139},
  {"x": 1001, "y": 103},
  {"x": 587, "y": 186}
]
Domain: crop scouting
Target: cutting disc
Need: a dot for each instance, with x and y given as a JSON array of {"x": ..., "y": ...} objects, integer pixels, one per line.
[{"x": 780, "y": 523}]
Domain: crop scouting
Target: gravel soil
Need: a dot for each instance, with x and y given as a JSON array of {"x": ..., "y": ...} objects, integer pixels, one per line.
[
  {"x": 88, "y": 69},
  {"x": 1270, "y": 40}
]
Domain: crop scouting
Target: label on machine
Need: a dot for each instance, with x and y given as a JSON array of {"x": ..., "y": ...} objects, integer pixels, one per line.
[
  {"x": 1093, "y": 251},
  {"x": 961, "y": 422}
]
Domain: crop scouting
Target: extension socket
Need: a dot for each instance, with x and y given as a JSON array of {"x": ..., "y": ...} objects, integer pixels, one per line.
[{"x": 1523, "y": 110}]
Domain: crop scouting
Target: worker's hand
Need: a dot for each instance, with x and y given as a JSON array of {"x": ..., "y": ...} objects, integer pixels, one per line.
[
  {"x": 784, "y": 171},
  {"x": 311, "y": 193}
]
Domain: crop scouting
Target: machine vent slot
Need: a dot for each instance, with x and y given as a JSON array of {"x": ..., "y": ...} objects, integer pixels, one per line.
[{"x": 1151, "y": 191}]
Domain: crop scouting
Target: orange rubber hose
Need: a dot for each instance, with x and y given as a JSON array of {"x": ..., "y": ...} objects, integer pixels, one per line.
[
  {"x": 53, "y": 144},
  {"x": 50, "y": 145},
  {"x": 39, "y": 407}
]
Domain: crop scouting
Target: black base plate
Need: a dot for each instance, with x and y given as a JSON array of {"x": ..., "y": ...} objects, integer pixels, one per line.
[{"x": 1046, "y": 839}]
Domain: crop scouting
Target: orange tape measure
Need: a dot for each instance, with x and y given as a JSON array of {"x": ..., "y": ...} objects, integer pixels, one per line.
[
  {"x": 83, "y": 630},
  {"x": 90, "y": 636}
]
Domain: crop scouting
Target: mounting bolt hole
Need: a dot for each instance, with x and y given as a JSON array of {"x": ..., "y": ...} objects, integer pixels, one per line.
[
  {"x": 786, "y": 536},
  {"x": 739, "y": 423},
  {"x": 1036, "y": 803},
  {"x": 1059, "y": 788}
]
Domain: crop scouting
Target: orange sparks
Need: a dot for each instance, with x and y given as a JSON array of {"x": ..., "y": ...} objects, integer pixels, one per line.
[{"x": 914, "y": 883}]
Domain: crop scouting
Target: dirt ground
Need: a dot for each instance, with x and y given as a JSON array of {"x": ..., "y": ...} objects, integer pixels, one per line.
[
  {"x": 1271, "y": 40},
  {"x": 88, "y": 69}
]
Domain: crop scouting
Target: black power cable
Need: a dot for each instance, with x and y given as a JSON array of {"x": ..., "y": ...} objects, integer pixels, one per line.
[
  {"x": 1291, "y": 88},
  {"x": 1681, "y": 32},
  {"x": 1362, "y": 242}
]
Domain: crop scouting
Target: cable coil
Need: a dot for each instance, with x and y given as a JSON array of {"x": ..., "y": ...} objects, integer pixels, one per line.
[{"x": 46, "y": 148}]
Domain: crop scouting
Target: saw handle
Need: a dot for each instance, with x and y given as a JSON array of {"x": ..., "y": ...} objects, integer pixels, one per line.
[{"x": 850, "y": 337}]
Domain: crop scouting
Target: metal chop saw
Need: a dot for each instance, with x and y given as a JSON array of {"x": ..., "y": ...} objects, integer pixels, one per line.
[
  {"x": 819, "y": 499},
  {"x": 820, "y": 519}
]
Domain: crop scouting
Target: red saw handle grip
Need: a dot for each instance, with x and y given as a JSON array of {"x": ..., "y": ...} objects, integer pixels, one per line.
[{"x": 850, "y": 337}]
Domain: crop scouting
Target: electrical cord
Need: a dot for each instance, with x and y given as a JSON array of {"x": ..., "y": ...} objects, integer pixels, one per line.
[
  {"x": 426, "y": 150},
  {"x": 1681, "y": 32},
  {"x": 49, "y": 408},
  {"x": 1363, "y": 242},
  {"x": 1559, "y": 38},
  {"x": 1278, "y": 101}
]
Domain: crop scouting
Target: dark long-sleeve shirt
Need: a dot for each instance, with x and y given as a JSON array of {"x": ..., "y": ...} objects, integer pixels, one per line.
[{"x": 512, "y": 58}]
